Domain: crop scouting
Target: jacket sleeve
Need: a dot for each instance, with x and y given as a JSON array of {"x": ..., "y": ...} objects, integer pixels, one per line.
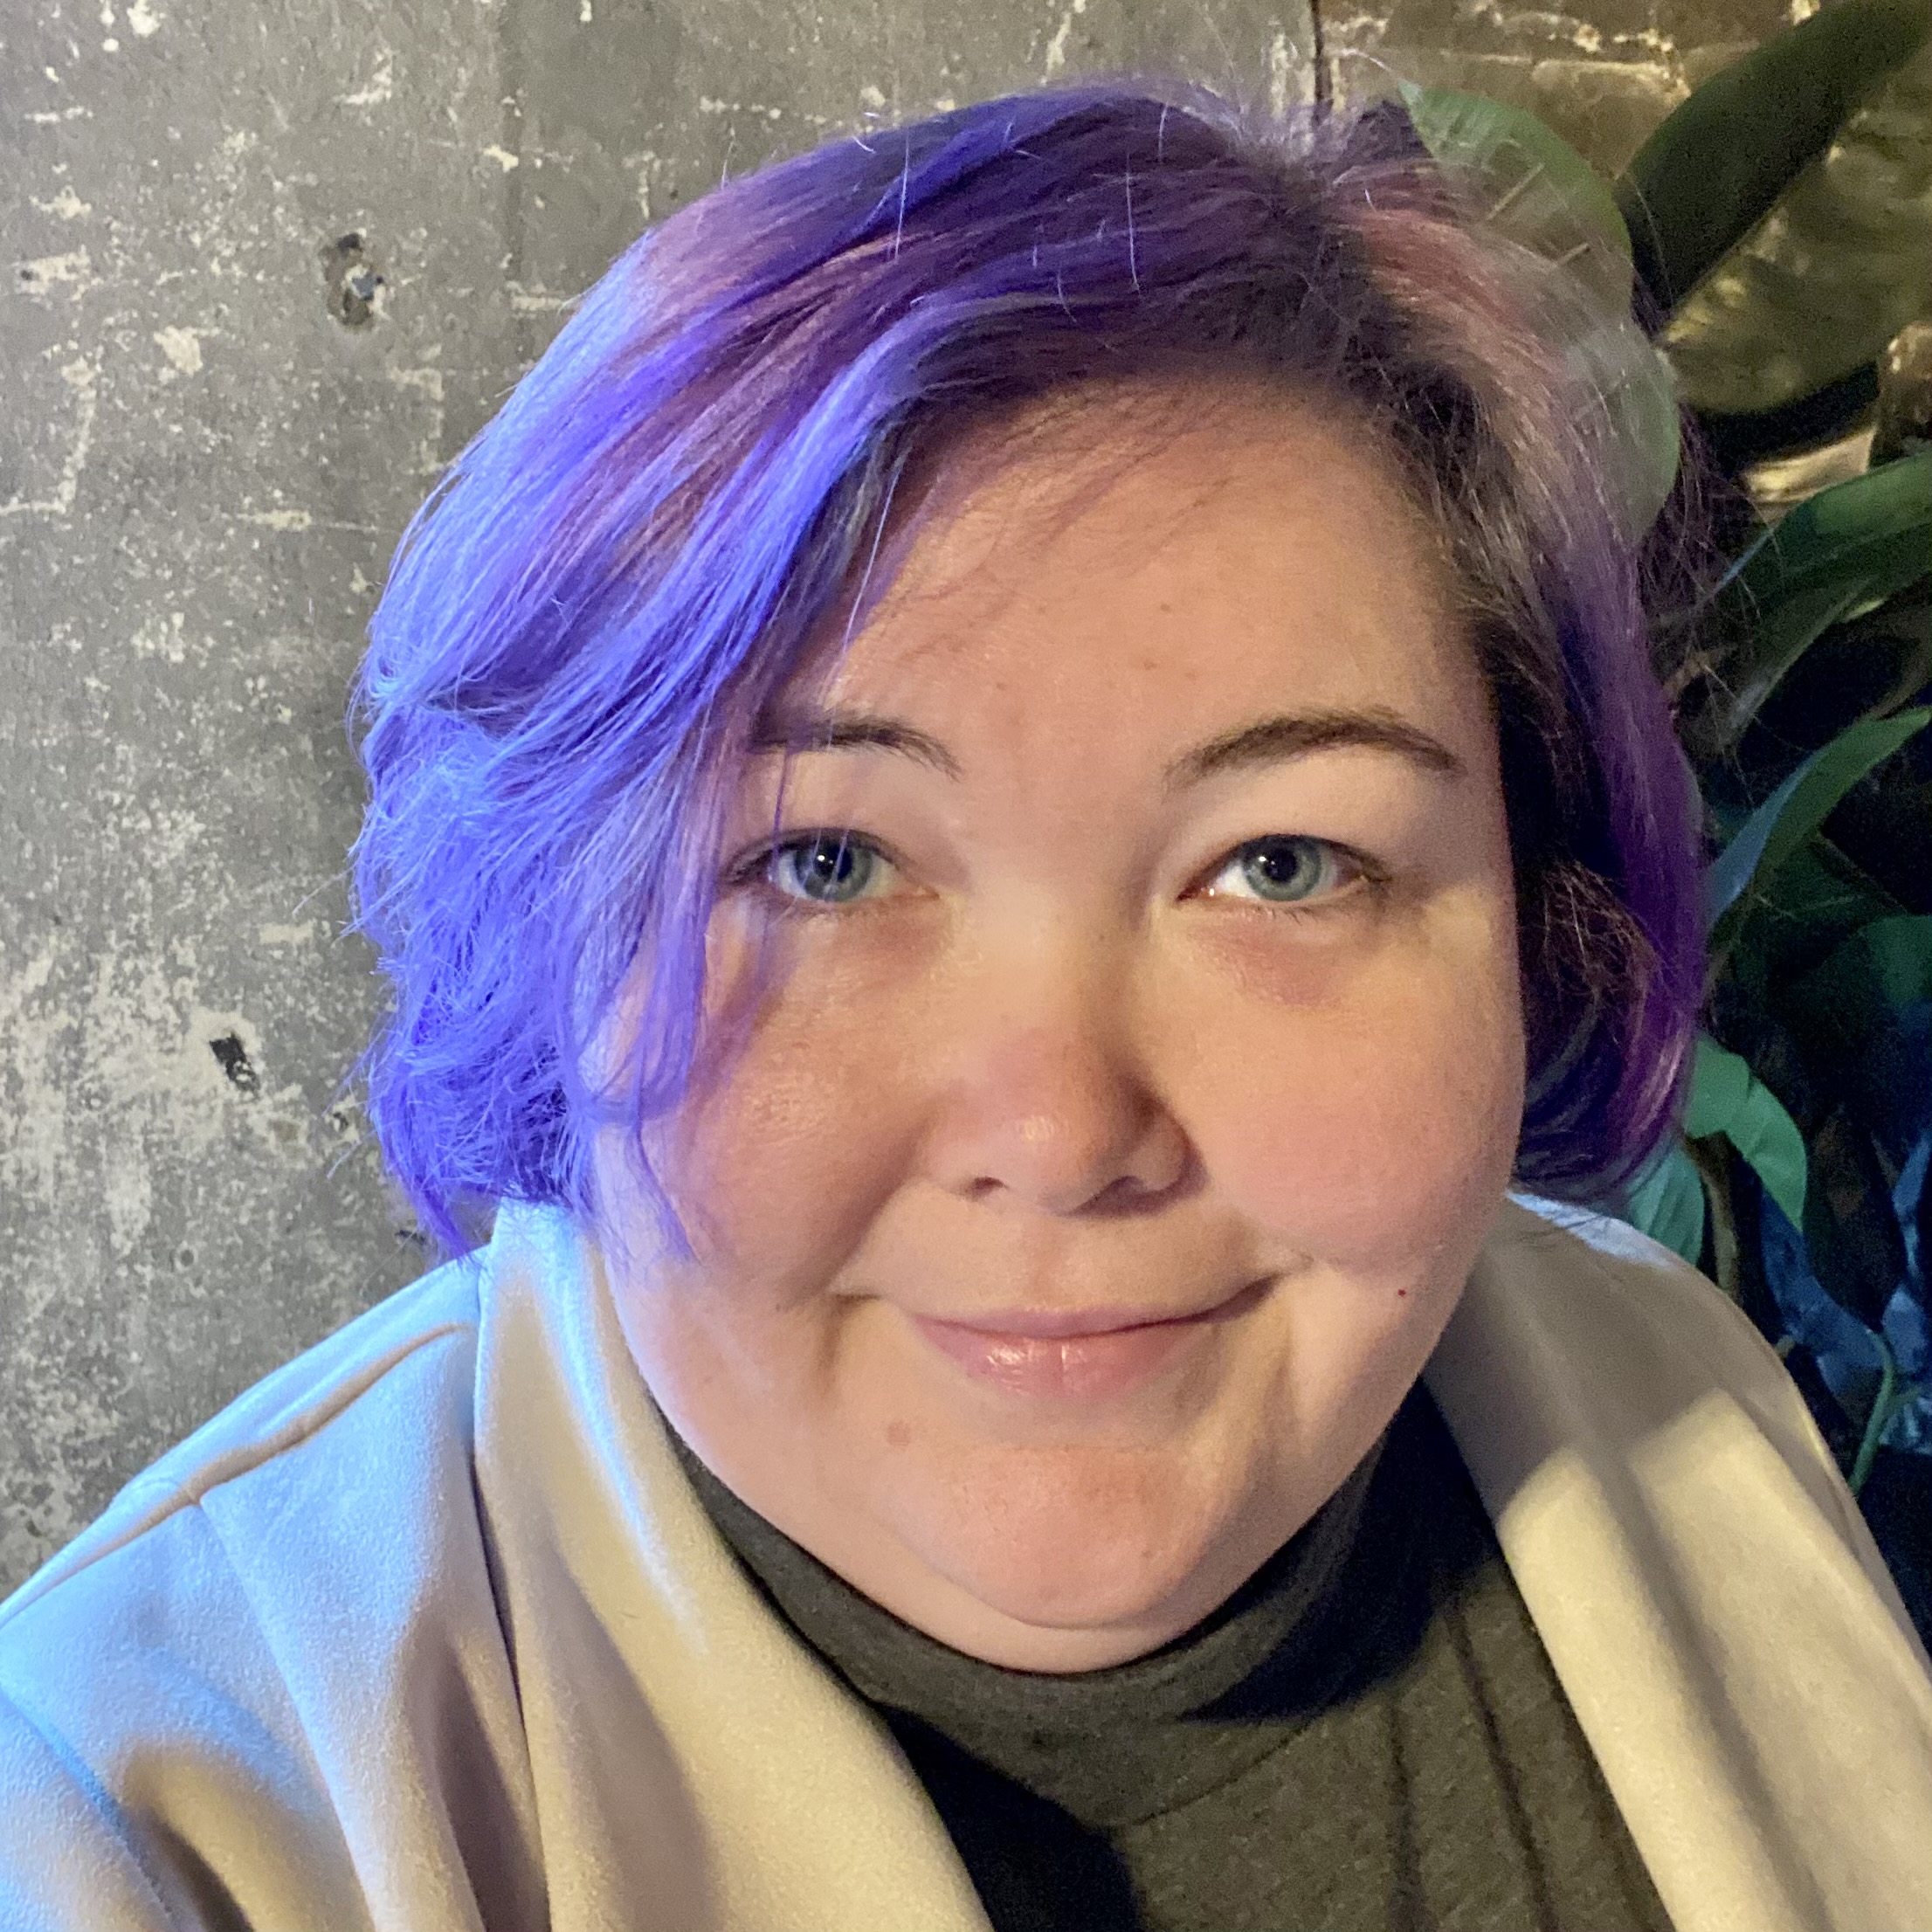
[
  {"x": 154, "y": 1769},
  {"x": 65, "y": 1865},
  {"x": 272, "y": 1694}
]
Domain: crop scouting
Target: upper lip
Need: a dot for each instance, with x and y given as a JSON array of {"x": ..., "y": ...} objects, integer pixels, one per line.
[{"x": 1058, "y": 1324}]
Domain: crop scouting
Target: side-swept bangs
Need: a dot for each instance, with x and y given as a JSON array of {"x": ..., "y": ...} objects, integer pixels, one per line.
[{"x": 613, "y": 580}]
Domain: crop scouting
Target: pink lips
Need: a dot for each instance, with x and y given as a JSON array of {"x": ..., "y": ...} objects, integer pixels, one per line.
[{"x": 1072, "y": 1356}]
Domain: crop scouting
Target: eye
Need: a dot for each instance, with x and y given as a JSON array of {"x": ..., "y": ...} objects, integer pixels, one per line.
[
  {"x": 826, "y": 869},
  {"x": 815, "y": 868},
  {"x": 1288, "y": 869}
]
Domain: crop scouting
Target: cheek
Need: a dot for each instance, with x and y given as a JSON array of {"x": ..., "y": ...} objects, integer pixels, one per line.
[
  {"x": 1368, "y": 1126},
  {"x": 1363, "y": 1116},
  {"x": 797, "y": 1143}
]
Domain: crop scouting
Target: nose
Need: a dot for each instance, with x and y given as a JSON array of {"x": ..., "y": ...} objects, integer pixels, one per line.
[{"x": 1045, "y": 1096}]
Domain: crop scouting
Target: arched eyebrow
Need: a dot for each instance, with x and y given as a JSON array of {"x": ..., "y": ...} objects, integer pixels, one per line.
[
  {"x": 1264, "y": 741},
  {"x": 846, "y": 731},
  {"x": 1269, "y": 740}
]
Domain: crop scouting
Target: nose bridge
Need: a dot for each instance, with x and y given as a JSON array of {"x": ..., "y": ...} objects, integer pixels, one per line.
[{"x": 1048, "y": 1092}]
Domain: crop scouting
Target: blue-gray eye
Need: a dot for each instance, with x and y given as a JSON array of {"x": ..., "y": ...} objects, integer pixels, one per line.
[
  {"x": 826, "y": 867},
  {"x": 1283, "y": 870},
  {"x": 838, "y": 868}
]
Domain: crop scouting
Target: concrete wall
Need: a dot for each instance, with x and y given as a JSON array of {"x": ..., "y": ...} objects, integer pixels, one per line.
[{"x": 269, "y": 267}]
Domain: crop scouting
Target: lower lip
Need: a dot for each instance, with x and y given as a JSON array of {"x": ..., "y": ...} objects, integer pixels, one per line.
[{"x": 1081, "y": 1367}]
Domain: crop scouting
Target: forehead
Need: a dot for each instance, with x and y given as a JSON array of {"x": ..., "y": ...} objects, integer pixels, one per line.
[{"x": 1208, "y": 533}]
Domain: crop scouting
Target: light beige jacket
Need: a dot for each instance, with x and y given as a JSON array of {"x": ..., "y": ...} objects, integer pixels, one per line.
[{"x": 428, "y": 1633}]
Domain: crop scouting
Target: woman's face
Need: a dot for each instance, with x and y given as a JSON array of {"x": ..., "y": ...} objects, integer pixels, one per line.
[{"x": 1112, "y": 1140}]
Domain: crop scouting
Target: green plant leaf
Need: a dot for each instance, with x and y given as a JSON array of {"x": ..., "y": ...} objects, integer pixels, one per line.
[
  {"x": 1837, "y": 555},
  {"x": 1728, "y": 1099},
  {"x": 1797, "y": 809},
  {"x": 1841, "y": 263},
  {"x": 1884, "y": 825},
  {"x": 1668, "y": 1203},
  {"x": 1864, "y": 669},
  {"x": 1540, "y": 191},
  {"x": 1710, "y": 173},
  {"x": 1792, "y": 923},
  {"x": 1882, "y": 968},
  {"x": 1541, "y": 194}
]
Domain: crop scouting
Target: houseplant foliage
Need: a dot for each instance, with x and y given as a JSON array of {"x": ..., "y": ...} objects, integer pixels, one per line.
[{"x": 1802, "y": 680}]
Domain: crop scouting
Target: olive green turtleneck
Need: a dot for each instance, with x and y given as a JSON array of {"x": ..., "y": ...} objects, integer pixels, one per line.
[{"x": 1367, "y": 1737}]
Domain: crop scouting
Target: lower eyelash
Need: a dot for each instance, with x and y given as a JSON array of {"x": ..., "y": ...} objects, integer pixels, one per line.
[{"x": 1327, "y": 907}]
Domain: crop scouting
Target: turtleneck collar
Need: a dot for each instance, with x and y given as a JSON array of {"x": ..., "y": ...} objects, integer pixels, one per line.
[{"x": 1113, "y": 1745}]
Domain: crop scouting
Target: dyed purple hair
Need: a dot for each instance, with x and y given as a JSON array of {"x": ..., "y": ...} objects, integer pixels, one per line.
[{"x": 613, "y": 580}]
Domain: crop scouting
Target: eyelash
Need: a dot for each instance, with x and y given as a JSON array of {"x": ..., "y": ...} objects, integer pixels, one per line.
[{"x": 753, "y": 871}]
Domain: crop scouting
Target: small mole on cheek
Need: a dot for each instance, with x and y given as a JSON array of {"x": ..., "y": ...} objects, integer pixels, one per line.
[
  {"x": 897, "y": 1435},
  {"x": 1403, "y": 1294}
]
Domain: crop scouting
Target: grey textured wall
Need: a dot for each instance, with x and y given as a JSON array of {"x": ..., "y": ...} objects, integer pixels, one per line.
[{"x": 270, "y": 266}]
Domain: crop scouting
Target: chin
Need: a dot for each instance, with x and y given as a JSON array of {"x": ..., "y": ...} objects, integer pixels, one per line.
[{"x": 1074, "y": 1559}]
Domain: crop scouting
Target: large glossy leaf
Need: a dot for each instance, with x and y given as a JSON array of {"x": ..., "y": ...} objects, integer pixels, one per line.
[
  {"x": 1716, "y": 166},
  {"x": 1668, "y": 1203},
  {"x": 1833, "y": 272},
  {"x": 1860, "y": 670},
  {"x": 1541, "y": 194},
  {"x": 1885, "y": 827},
  {"x": 1727, "y": 1098},
  {"x": 1870, "y": 508},
  {"x": 1797, "y": 809},
  {"x": 1791, "y": 924},
  {"x": 1880, "y": 970},
  {"x": 1537, "y": 188},
  {"x": 1837, "y": 555}
]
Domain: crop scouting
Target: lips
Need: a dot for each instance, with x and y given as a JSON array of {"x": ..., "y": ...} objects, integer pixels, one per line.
[{"x": 1072, "y": 1354}]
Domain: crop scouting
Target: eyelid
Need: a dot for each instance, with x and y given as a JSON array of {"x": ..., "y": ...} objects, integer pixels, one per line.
[
  {"x": 754, "y": 857},
  {"x": 1369, "y": 874},
  {"x": 753, "y": 867}
]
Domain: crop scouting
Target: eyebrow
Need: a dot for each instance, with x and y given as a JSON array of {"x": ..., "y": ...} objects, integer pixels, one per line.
[{"x": 1249, "y": 747}]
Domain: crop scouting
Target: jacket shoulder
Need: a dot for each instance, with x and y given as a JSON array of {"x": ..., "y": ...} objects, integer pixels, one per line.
[
  {"x": 435, "y": 1316},
  {"x": 1646, "y": 1336},
  {"x": 250, "y": 1677},
  {"x": 1664, "y": 1307}
]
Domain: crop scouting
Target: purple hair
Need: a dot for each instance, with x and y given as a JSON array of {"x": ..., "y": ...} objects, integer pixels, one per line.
[{"x": 610, "y": 583}]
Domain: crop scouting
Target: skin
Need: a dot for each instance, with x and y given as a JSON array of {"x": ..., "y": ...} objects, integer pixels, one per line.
[{"x": 1065, "y": 1050}]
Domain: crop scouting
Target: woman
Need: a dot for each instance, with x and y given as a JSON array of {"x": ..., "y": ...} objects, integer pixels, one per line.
[{"x": 1010, "y": 793}]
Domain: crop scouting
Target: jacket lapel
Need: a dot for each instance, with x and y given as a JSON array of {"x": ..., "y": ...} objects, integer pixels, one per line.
[
  {"x": 1712, "y": 1601},
  {"x": 696, "y": 1768}
]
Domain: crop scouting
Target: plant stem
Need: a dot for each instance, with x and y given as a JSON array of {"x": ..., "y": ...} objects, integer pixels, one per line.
[
  {"x": 1712, "y": 1160},
  {"x": 1888, "y": 1403}
]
